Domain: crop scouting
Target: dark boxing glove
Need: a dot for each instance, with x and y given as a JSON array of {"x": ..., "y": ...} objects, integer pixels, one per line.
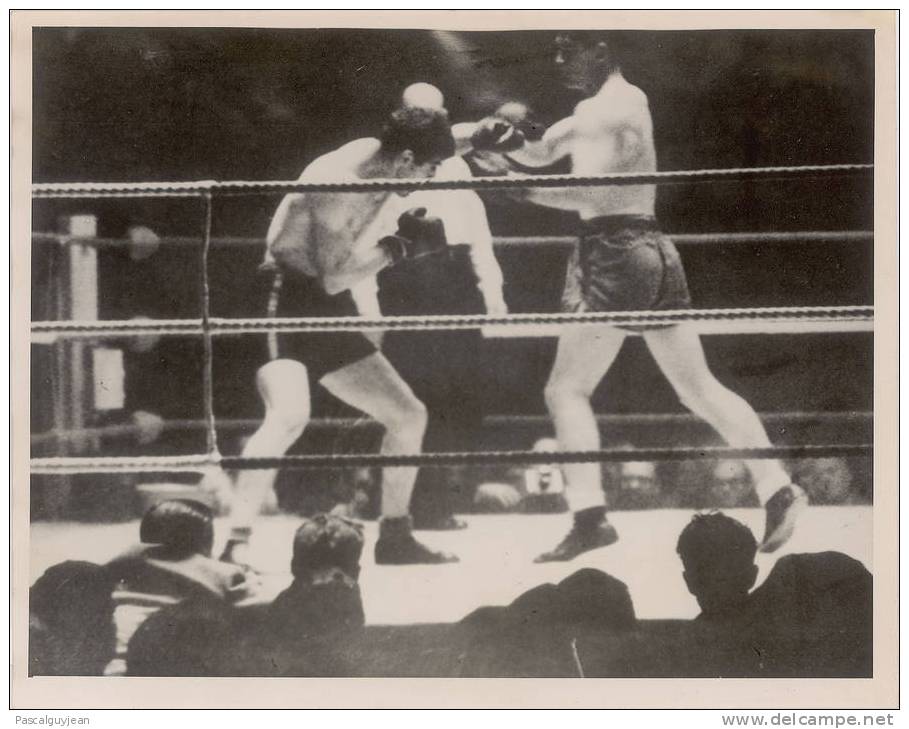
[
  {"x": 496, "y": 135},
  {"x": 418, "y": 235}
]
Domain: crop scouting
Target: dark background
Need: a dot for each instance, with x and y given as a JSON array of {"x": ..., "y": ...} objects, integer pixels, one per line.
[{"x": 182, "y": 104}]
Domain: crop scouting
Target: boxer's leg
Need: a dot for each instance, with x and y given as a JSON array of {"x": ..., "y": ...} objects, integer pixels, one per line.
[
  {"x": 584, "y": 356},
  {"x": 372, "y": 385},
  {"x": 680, "y": 355},
  {"x": 283, "y": 385}
]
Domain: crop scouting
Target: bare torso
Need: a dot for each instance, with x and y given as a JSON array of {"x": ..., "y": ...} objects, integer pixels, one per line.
[
  {"x": 317, "y": 232},
  {"x": 610, "y": 132},
  {"x": 613, "y": 133}
]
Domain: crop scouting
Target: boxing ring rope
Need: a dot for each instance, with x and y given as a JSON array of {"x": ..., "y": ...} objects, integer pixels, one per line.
[
  {"x": 771, "y": 319},
  {"x": 855, "y": 318},
  {"x": 545, "y": 241},
  {"x": 208, "y": 397},
  {"x": 201, "y": 464},
  {"x": 126, "y": 430},
  {"x": 253, "y": 187}
]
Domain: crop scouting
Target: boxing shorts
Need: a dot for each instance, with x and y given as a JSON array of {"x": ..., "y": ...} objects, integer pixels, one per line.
[
  {"x": 624, "y": 263},
  {"x": 297, "y": 295}
]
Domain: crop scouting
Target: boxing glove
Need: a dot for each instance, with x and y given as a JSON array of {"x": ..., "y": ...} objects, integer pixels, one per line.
[
  {"x": 418, "y": 235},
  {"x": 496, "y": 135}
]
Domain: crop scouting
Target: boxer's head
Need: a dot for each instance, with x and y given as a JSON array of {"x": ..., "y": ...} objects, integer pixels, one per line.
[
  {"x": 415, "y": 141},
  {"x": 584, "y": 59},
  {"x": 718, "y": 556}
]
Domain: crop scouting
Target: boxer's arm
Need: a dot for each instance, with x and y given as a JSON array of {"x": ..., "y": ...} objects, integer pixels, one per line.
[
  {"x": 462, "y": 133},
  {"x": 287, "y": 233},
  {"x": 482, "y": 257},
  {"x": 554, "y": 145},
  {"x": 366, "y": 297}
]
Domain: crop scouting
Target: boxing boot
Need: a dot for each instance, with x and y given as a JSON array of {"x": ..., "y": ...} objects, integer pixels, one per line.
[
  {"x": 590, "y": 531},
  {"x": 396, "y": 545},
  {"x": 782, "y": 509}
]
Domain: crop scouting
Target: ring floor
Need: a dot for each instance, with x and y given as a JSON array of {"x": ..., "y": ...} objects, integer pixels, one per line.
[{"x": 496, "y": 554}]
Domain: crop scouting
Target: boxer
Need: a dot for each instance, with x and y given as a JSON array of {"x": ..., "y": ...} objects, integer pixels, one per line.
[{"x": 624, "y": 262}]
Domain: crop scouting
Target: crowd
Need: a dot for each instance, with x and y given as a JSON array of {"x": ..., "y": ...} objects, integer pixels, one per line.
[{"x": 166, "y": 607}]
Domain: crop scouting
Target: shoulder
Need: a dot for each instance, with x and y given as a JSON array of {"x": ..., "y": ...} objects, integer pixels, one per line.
[
  {"x": 625, "y": 105},
  {"x": 342, "y": 162},
  {"x": 453, "y": 168}
]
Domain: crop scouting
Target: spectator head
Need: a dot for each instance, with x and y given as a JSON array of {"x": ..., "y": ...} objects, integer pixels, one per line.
[
  {"x": 596, "y": 599},
  {"x": 731, "y": 485},
  {"x": 638, "y": 485},
  {"x": 70, "y": 606},
  {"x": 415, "y": 141},
  {"x": 182, "y": 526},
  {"x": 327, "y": 549},
  {"x": 826, "y": 480},
  {"x": 718, "y": 554}
]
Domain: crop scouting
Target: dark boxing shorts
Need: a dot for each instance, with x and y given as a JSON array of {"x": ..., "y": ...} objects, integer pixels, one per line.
[
  {"x": 624, "y": 263},
  {"x": 297, "y": 295}
]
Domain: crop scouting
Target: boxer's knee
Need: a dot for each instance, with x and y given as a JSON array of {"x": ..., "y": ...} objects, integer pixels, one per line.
[
  {"x": 407, "y": 420},
  {"x": 284, "y": 387},
  {"x": 560, "y": 391}
]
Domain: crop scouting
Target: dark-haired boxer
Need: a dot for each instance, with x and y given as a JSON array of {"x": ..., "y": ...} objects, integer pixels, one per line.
[
  {"x": 624, "y": 262},
  {"x": 315, "y": 244}
]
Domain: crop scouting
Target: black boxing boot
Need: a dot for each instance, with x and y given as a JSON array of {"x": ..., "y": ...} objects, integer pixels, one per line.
[
  {"x": 590, "y": 531},
  {"x": 396, "y": 545},
  {"x": 782, "y": 511}
]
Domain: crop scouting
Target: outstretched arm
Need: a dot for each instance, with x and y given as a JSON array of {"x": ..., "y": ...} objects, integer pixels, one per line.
[{"x": 554, "y": 145}]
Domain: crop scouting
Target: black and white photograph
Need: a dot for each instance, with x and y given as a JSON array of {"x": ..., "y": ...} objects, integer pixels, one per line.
[{"x": 398, "y": 352}]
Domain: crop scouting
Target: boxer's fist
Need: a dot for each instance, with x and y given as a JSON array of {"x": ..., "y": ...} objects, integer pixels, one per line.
[
  {"x": 496, "y": 135},
  {"x": 418, "y": 235}
]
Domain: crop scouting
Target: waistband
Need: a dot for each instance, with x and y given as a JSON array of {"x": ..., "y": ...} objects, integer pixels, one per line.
[{"x": 611, "y": 224}]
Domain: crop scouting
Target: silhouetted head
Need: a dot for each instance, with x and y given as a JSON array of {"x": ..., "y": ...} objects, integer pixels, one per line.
[
  {"x": 596, "y": 599},
  {"x": 182, "y": 526},
  {"x": 718, "y": 555},
  {"x": 327, "y": 549},
  {"x": 72, "y": 593},
  {"x": 72, "y": 620},
  {"x": 415, "y": 141}
]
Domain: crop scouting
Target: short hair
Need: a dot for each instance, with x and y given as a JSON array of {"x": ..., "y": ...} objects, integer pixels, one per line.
[
  {"x": 326, "y": 544},
  {"x": 183, "y": 526},
  {"x": 72, "y": 592},
  {"x": 71, "y": 620},
  {"x": 425, "y": 132},
  {"x": 616, "y": 42},
  {"x": 713, "y": 538}
]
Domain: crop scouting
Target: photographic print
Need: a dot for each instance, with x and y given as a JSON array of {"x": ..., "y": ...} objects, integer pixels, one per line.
[{"x": 411, "y": 350}]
